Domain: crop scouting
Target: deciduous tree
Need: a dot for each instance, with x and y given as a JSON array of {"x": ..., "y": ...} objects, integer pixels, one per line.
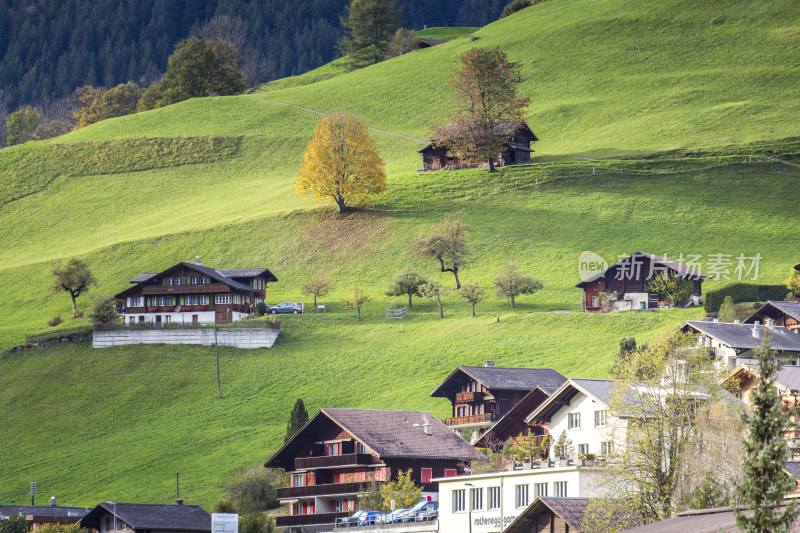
[
  {"x": 765, "y": 484},
  {"x": 447, "y": 244},
  {"x": 676, "y": 288},
  {"x": 103, "y": 310},
  {"x": 371, "y": 499},
  {"x": 83, "y": 103},
  {"x": 406, "y": 282},
  {"x": 432, "y": 290},
  {"x": 793, "y": 282},
  {"x": 356, "y": 299},
  {"x": 253, "y": 488},
  {"x": 317, "y": 286},
  {"x": 341, "y": 163},
  {"x": 488, "y": 109},
  {"x": 22, "y": 125},
  {"x": 512, "y": 282},
  {"x": 472, "y": 293},
  {"x": 368, "y": 27},
  {"x": 297, "y": 419},
  {"x": 403, "y": 491},
  {"x": 75, "y": 278},
  {"x": 403, "y": 42}
]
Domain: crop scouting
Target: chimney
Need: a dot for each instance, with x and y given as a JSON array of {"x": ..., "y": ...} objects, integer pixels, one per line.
[
  {"x": 53, "y": 501},
  {"x": 197, "y": 260},
  {"x": 488, "y": 364},
  {"x": 770, "y": 323},
  {"x": 427, "y": 429},
  {"x": 756, "y": 325}
]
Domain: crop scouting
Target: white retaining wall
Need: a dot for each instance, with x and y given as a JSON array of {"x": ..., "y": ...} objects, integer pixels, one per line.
[{"x": 236, "y": 338}]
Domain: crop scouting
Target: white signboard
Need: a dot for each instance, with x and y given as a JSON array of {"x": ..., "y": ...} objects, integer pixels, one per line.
[{"x": 224, "y": 523}]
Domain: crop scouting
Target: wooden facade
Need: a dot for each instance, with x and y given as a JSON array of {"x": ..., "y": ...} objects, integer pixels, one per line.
[
  {"x": 191, "y": 293},
  {"x": 628, "y": 279},
  {"x": 782, "y": 313},
  {"x": 517, "y": 150}
]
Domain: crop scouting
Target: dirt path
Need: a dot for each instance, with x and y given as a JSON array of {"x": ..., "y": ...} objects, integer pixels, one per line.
[{"x": 321, "y": 113}]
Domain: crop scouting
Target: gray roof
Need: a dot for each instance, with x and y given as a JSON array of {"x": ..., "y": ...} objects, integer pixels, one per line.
[
  {"x": 793, "y": 467},
  {"x": 680, "y": 268},
  {"x": 400, "y": 434},
  {"x": 740, "y": 336},
  {"x": 242, "y": 272},
  {"x": 144, "y": 277},
  {"x": 152, "y": 516},
  {"x": 571, "y": 510},
  {"x": 700, "y": 521},
  {"x": 43, "y": 510},
  {"x": 600, "y": 389},
  {"x": 219, "y": 276},
  {"x": 790, "y": 308},
  {"x": 503, "y": 378}
]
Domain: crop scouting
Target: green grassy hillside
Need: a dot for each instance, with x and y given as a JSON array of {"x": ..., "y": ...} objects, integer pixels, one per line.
[{"x": 685, "y": 92}]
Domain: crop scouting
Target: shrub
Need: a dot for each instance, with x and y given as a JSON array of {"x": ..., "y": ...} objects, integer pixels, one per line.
[
  {"x": 77, "y": 313},
  {"x": 253, "y": 488},
  {"x": 256, "y": 522},
  {"x": 742, "y": 292},
  {"x": 262, "y": 308},
  {"x": 515, "y": 6},
  {"x": 103, "y": 310},
  {"x": 56, "y": 320}
]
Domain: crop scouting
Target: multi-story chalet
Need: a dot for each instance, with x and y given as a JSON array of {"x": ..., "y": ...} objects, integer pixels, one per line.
[
  {"x": 146, "y": 518},
  {"x": 733, "y": 344},
  {"x": 481, "y": 395},
  {"x": 516, "y": 150},
  {"x": 782, "y": 313},
  {"x": 512, "y": 424},
  {"x": 192, "y": 293},
  {"x": 629, "y": 278},
  {"x": 336, "y": 453}
]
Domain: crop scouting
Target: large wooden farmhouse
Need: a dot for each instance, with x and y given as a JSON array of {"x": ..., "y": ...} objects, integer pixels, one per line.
[
  {"x": 628, "y": 280},
  {"x": 516, "y": 150},
  {"x": 336, "y": 453},
  {"x": 191, "y": 293}
]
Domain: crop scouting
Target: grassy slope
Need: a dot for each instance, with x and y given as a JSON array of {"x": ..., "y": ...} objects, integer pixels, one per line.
[{"x": 605, "y": 78}]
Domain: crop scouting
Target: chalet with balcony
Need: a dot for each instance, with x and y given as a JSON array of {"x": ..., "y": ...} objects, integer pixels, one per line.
[
  {"x": 481, "y": 395},
  {"x": 628, "y": 280},
  {"x": 334, "y": 456},
  {"x": 513, "y": 425},
  {"x": 733, "y": 344},
  {"x": 517, "y": 150},
  {"x": 782, "y": 313},
  {"x": 191, "y": 293}
]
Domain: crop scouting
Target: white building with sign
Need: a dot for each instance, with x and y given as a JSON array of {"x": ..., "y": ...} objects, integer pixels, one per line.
[{"x": 489, "y": 500}]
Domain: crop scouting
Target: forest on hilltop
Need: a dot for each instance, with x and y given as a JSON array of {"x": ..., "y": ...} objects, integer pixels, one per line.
[{"x": 50, "y": 47}]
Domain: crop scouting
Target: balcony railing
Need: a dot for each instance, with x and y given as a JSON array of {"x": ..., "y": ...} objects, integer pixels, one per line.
[
  {"x": 469, "y": 396},
  {"x": 321, "y": 490},
  {"x": 328, "y": 461},
  {"x": 182, "y": 289},
  {"x": 474, "y": 419},
  {"x": 309, "y": 519}
]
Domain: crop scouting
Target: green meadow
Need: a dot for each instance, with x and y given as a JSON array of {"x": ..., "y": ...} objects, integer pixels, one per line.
[{"x": 665, "y": 127}]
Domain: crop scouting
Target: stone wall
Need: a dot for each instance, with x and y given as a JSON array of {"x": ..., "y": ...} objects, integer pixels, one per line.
[{"x": 245, "y": 338}]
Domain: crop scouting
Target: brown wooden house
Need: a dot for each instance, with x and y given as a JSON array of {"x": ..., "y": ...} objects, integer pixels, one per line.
[
  {"x": 516, "y": 150},
  {"x": 629, "y": 278},
  {"x": 781, "y": 313},
  {"x": 336, "y": 453},
  {"x": 551, "y": 515},
  {"x": 481, "y": 395},
  {"x": 191, "y": 293}
]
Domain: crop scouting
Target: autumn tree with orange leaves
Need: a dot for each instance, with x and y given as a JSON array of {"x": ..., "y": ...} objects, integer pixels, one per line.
[
  {"x": 341, "y": 163},
  {"x": 488, "y": 110}
]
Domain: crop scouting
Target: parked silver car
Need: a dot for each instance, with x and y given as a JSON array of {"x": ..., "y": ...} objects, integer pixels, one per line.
[{"x": 285, "y": 308}]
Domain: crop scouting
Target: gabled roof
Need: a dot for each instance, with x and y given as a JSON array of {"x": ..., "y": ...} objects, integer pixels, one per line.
[
  {"x": 772, "y": 306},
  {"x": 430, "y": 42},
  {"x": 503, "y": 378},
  {"x": 699, "y": 521},
  {"x": 787, "y": 378},
  {"x": 669, "y": 263},
  {"x": 512, "y": 423},
  {"x": 42, "y": 511},
  {"x": 244, "y": 272},
  {"x": 740, "y": 336},
  {"x": 387, "y": 434},
  {"x": 144, "y": 277},
  {"x": 571, "y": 510},
  {"x": 599, "y": 389},
  {"x": 502, "y": 129},
  {"x": 151, "y": 516}
]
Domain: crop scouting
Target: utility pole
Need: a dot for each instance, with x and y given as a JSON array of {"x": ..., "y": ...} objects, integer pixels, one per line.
[
  {"x": 33, "y": 493},
  {"x": 216, "y": 346}
]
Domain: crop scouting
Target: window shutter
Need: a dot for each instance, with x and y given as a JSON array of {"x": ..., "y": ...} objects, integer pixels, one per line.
[{"x": 148, "y": 301}]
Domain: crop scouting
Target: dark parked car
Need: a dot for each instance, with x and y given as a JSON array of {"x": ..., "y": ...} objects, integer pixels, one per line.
[
  {"x": 370, "y": 518},
  {"x": 286, "y": 308},
  {"x": 422, "y": 511},
  {"x": 350, "y": 521}
]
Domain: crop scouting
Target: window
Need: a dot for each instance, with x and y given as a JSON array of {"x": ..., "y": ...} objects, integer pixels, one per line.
[
  {"x": 299, "y": 480},
  {"x": 574, "y": 420},
  {"x": 560, "y": 489},
  {"x": 337, "y": 506},
  {"x": 476, "y": 499},
  {"x": 132, "y": 319},
  {"x": 459, "y": 500},
  {"x": 520, "y": 496},
  {"x": 425, "y": 475},
  {"x": 136, "y": 301},
  {"x": 540, "y": 490},
  {"x": 205, "y": 280},
  {"x": 178, "y": 281},
  {"x": 204, "y": 300},
  {"x": 360, "y": 475},
  {"x": 583, "y": 449},
  {"x": 237, "y": 299},
  {"x": 333, "y": 448},
  {"x": 449, "y": 472},
  {"x": 167, "y": 319},
  {"x": 360, "y": 448},
  {"x": 222, "y": 299},
  {"x": 194, "y": 281},
  {"x": 599, "y": 418},
  {"x": 595, "y": 301},
  {"x": 606, "y": 448},
  {"x": 493, "y": 498},
  {"x": 170, "y": 281}
]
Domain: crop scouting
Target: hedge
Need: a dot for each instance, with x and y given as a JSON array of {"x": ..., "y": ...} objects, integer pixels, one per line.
[{"x": 743, "y": 292}]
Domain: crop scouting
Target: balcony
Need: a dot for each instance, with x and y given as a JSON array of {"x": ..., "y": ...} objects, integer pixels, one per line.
[
  {"x": 309, "y": 519},
  {"x": 330, "y": 461},
  {"x": 463, "y": 397},
  {"x": 184, "y": 289},
  {"x": 329, "y": 489},
  {"x": 469, "y": 420}
]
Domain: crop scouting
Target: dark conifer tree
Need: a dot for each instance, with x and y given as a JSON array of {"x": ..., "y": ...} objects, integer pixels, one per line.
[
  {"x": 369, "y": 27},
  {"x": 297, "y": 419}
]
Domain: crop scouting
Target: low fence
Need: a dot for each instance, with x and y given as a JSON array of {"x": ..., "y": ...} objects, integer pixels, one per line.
[{"x": 146, "y": 326}]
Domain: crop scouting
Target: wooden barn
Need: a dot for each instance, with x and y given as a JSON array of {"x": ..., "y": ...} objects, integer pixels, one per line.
[{"x": 516, "y": 150}]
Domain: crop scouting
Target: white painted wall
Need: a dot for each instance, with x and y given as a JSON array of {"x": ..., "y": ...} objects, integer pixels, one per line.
[
  {"x": 580, "y": 483},
  {"x": 588, "y": 433}
]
